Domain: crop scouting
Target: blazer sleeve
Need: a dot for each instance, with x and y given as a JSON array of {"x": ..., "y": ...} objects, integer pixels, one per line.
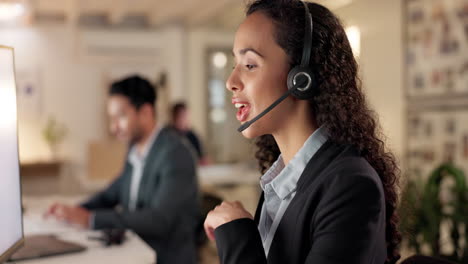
[
  {"x": 108, "y": 198},
  {"x": 349, "y": 223},
  {"x": 177, "y": 189},
  {"x": 239, "y": 242}
]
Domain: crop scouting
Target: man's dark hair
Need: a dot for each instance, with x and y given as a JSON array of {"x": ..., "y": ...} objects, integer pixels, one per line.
[
  {"x": 138, "y": 90},
  {"x": 176, "y": 109}
]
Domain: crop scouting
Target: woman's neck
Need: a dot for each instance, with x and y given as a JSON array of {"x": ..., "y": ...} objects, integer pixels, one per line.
[{"x": 292, "y": 136}]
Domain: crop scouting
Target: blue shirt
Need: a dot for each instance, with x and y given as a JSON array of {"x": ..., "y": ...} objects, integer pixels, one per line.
[{"x": 279, "y": 186}]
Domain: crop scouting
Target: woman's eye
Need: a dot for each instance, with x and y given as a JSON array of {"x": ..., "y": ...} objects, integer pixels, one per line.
[{"x": 250, "y": 66}]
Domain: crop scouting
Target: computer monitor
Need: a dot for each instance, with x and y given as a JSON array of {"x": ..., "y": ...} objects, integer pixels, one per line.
[{"x": 11, "y": 221}]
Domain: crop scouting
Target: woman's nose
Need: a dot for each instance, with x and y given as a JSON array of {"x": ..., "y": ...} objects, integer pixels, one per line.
[{"x": 233, "y": 83}]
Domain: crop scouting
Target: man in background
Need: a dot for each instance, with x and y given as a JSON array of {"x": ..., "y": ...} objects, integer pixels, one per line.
[
  {"x": 156, "y": 194},
  {"x": 181, "y": 123}
]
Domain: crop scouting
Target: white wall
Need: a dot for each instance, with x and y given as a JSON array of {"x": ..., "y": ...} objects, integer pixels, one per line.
[
  {"x": 175, "y": 61},
  {"x": 72, "y": 88},
  {"x": 381, "y": 61},
  {"x": 67, "y": 89}
]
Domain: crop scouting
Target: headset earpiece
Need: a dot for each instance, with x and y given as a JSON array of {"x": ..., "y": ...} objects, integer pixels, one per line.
[
  {"x": 303, "y": 73},
  {"x": 305, "y": 77}
]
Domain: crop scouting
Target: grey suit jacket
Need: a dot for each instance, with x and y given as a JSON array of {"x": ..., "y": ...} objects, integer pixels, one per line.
[{"x": 167, "y": 205}]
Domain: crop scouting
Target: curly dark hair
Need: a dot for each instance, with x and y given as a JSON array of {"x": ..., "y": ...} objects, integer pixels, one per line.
[{"x": 339, "y": 103}]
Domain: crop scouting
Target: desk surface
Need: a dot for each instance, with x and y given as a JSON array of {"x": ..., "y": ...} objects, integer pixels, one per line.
[
  {"x": 210, "y": 175},
  {"x": 134, "y": 250},
  {"x": 225, "y": 174}
]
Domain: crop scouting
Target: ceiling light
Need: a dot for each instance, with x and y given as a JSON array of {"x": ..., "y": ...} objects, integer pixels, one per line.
[
  {"x": 219, "y": 60},
  {"x": 11, "y": 11},
  {"x": 354, "y": 37}
]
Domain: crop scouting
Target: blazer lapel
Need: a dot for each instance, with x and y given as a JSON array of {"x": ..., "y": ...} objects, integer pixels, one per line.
[
  {"x": 324, "y": 156},
  {"x": 125, "y": 187},
  {"x": 313, "y": 169},
  {"x": 151, "y": 164}
]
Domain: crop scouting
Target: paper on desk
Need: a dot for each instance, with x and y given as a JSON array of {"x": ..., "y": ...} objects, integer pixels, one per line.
[{"x": 36, "y": 224}]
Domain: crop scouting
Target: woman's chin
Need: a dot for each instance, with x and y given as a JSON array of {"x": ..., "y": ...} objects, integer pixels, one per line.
[
  {"x": 247, "y": 134},
  {"x": 252, "y": 132}
]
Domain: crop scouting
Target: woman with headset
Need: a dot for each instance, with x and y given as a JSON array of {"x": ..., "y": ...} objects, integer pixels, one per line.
[{"x": 329, "y": 184}]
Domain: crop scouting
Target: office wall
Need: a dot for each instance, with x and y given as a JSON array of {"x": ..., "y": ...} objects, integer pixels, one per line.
[
  {"x": 73, "y": 86},
  {"x": 67, "y": 89},
  {"x": 381, "y": 61}
]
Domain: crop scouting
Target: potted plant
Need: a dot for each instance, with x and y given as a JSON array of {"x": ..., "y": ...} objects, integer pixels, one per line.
[
  {"x": 426, "y": 211},
  {"x": 54, "y": 133}
]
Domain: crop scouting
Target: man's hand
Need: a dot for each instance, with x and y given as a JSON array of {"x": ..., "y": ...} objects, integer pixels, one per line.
[
  {"x": 71, "y": 214},
  {"x": 222, "y": 214}
]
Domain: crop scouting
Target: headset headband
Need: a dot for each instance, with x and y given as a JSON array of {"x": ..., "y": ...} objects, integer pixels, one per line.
[{"x": 309, "y": 27}]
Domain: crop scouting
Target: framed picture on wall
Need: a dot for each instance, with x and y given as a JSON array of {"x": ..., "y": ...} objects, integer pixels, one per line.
[
  {"x": 436, "y": 49},
  {"x": 436, "y": 135},
  {"x": 29, "y": 92}
]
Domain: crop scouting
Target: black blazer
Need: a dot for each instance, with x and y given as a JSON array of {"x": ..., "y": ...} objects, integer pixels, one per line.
[
  {"x": 167, "y": 203},
  {"x": 336, "y": 216}
]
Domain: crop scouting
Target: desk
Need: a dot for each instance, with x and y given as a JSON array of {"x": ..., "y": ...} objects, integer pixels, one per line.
[
  {"x": 232, "y": 182},
  {"x": 134, "y": 250},
  {"x": 229, "y": 174},
  {"x": 40, "y": 168},
  {"x": 41, "y": 177}
]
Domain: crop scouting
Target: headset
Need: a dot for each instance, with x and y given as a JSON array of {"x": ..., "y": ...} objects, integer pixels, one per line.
[{"x": 301, "y": 80}]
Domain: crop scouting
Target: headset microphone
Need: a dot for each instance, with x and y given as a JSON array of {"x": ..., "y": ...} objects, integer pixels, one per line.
[{"x": 300, "y": 82}]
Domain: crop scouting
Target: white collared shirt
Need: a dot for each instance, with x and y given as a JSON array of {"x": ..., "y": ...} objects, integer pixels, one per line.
[
  {"x": 138, "y": 164},
  {"x": 279, "y": 185}
]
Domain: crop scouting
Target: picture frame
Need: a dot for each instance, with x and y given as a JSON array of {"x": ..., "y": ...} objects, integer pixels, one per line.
[
  {"x": 435, "y": 36},
  {"x": 435, "y": 135}
]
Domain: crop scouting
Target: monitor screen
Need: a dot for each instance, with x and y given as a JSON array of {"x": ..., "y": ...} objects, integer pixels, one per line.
[{"x": 11, "y": 223}]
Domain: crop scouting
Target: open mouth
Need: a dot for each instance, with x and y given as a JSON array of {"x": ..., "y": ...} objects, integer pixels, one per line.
[{"x": 243, "y": 111}]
